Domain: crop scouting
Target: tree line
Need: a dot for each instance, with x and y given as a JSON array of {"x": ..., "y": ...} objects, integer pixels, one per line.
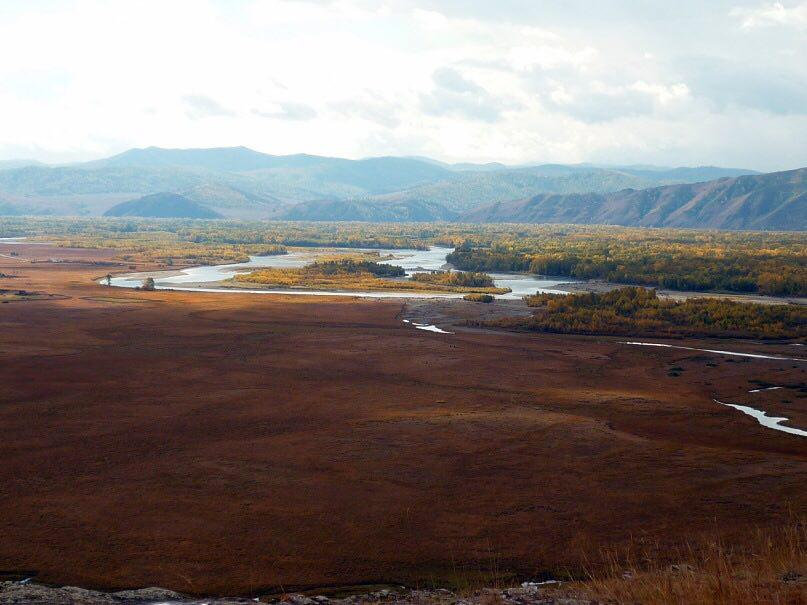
[
  {"x": 638, "y": 311},
  {"x": 660, "y": 265},
  {"x": 466, "y": 279}
]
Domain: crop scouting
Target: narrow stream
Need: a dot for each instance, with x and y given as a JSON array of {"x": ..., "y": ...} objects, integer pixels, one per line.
[
  {"x": 772, "y": 422},
  {"x": 716, "y": 351},
  {"x": 427, "y": 327}
]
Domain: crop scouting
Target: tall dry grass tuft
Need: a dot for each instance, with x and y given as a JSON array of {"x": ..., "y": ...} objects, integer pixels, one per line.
[{"x": 770, "y": 567}]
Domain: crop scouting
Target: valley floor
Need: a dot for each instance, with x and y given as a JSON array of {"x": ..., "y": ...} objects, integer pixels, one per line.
[{"x": 233, "y": 444}]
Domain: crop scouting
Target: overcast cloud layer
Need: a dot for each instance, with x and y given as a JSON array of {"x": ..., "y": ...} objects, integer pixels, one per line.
[{"x": 673, "y": 83}]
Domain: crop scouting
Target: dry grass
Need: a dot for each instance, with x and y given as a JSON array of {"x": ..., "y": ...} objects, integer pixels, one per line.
[
  {"x": 20, "y": 295},
  {"x": 167, "y": 248},
  {"x": 305, "y": 435},
  {"x": 770, "y": 566}
]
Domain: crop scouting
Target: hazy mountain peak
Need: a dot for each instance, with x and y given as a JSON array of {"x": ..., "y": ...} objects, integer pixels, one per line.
[
  {"x": 162, "y": 205},
  {"x": 241, "y": 182}
]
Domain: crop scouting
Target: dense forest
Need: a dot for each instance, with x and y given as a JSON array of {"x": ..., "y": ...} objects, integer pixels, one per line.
[
  {"x": 700, "y": 261},
  {"x": 638, "y": 311},
  {"x": 353, "y": 266},
  {"x": 253, "y": 235}
]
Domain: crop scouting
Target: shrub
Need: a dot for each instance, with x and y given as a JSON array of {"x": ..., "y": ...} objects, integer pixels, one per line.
[
  {"x": 483, "y": 298},
  {"x": 334, "y": 267},
  {"x": 465, "y": 279},
  {"x": 637, "y": 311}
]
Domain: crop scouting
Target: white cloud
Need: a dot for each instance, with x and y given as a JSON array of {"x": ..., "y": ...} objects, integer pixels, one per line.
[
  {"x": 516, "y": 82},
  {"x": 456, "y": 95},
  {"x": 773, "y": 13},
  {"x": 597, "y": 101}
]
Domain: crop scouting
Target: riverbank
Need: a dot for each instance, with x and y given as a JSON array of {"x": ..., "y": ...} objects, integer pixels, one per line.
[{"x": 223, "y": 278}]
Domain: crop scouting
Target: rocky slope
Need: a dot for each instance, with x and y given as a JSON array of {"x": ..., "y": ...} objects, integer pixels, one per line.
[{"x": 17, "y": 593}]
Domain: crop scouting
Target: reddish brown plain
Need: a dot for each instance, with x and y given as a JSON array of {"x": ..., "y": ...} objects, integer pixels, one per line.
[{"x": 235, "y": 443}]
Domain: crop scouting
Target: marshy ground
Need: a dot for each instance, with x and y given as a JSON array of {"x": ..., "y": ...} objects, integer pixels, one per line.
[{"x": 231, "y": 443}]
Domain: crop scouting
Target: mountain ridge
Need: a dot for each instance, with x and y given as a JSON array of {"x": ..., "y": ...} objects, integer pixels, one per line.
[
  {"x": 302, "y": 177},
  {"x": 162, "y": 205},
  {"x": 775, "y": 201},
  {"x": 238, "y": 182},
  {"x": 415, "y": 211}
]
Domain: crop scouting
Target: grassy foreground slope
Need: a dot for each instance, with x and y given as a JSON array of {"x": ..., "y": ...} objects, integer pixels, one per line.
[{"x": 250, "y": 443}]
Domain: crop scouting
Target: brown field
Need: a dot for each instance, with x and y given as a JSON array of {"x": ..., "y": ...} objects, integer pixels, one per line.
[{"x": 233, "y": 443}]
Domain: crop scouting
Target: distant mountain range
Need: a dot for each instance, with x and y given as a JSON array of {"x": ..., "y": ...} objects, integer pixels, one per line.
[
  {"x": 416, "y": 211},
  {"x": 238, "y": 182},
  {"x": 162, "y": 205},
  {"x": 11, "y": 164}
]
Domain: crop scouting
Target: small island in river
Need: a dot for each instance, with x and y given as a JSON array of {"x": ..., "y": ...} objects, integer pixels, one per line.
[{"x": 365, "y": 275}]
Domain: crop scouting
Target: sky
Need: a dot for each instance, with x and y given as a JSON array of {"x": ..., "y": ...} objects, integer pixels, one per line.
[{"x": 516, "y": 81}]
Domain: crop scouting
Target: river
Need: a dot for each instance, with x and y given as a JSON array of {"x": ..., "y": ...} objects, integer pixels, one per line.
[{"x": 412, "y": 261}]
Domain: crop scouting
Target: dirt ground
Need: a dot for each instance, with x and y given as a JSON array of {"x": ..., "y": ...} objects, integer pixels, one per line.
[{"x": 233, "y": 443}]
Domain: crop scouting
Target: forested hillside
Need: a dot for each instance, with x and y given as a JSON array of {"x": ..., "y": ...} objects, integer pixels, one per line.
[
  {"x": 369, "y": 211},
  {"x": 162, "y": 205},
  {"x": 766, "y": 201}
]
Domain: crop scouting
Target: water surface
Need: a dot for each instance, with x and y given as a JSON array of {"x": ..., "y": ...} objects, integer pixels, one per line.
[
  {"x": 771, "y": 422},
  {"x": 427, "y": 327},
  {"x": 716, "y": 351},
  {"x": 412, "y": 261}
]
